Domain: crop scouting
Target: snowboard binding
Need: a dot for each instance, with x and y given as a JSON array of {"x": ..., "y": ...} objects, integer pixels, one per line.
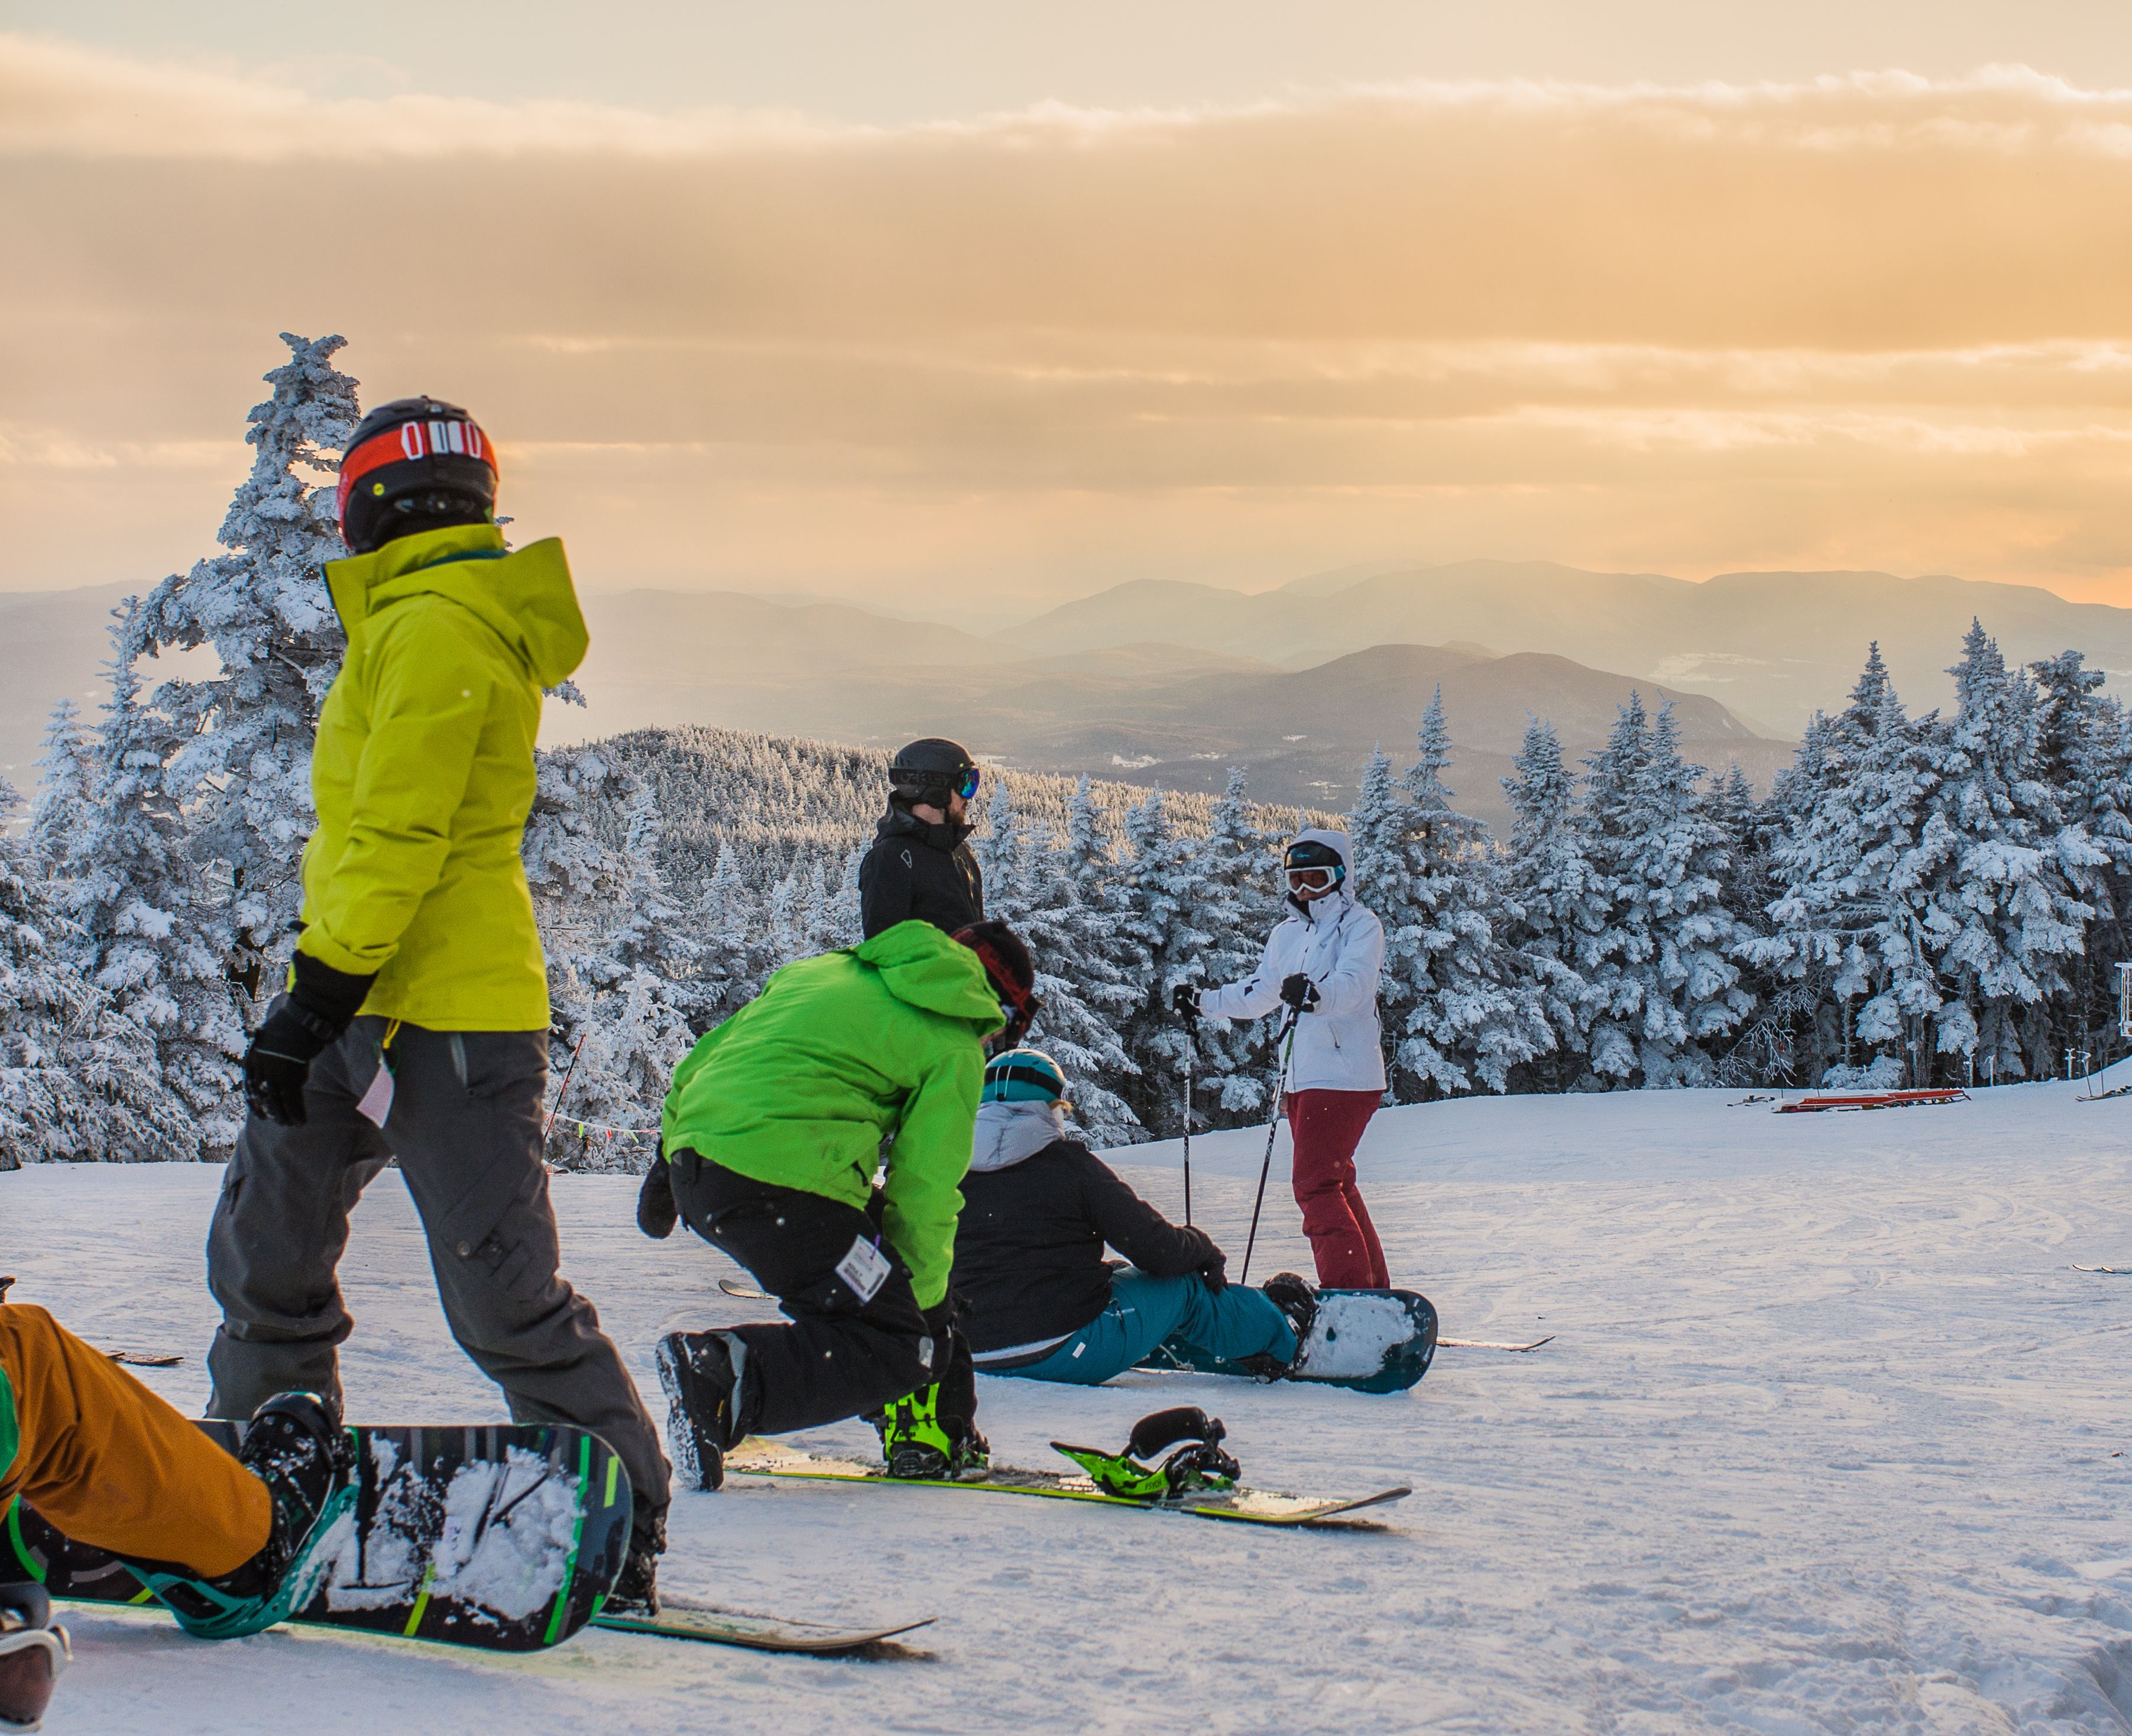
[{"x": 1199, "y": 1462}]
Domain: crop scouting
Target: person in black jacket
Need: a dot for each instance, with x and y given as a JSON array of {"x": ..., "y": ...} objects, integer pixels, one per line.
[
  {"x": 921, "y": 866},
  {"x": 1037, "y": 1298}
]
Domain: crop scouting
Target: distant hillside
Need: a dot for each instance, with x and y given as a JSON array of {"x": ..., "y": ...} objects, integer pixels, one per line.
[{"x": 1773, "y": 646}]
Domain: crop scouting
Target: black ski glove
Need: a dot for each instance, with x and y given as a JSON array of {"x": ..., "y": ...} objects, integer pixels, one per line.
[
  {"x": 1298, "y": 992},
  {"x": 656, "y": 1213},
  {"x": 321, "y": 1005},
  {"x": 1184, "y": 1002},
  {"x": 1214, "y": 1274}
]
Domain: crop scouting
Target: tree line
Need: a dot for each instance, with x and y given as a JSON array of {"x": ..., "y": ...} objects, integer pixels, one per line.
[{"x": 1918, "y": 899}]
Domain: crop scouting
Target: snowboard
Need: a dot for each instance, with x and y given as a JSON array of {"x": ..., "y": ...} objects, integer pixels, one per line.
[
  {"x": 757, "y": 1457},
  {"x": 1366, "y": 1340},
  {"x": 678, "y": 1619},
  {"x": 506, "y": 1539}
]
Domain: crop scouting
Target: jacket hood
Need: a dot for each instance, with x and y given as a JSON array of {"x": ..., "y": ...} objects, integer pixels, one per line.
[
  {"x": 1008, "y": 1133},
  {"x": 1340, "y": 842},
  {"x": 523, "y": 596},
  {"x": 900, "y": 822},
  {"x": 923, "y": 968}
]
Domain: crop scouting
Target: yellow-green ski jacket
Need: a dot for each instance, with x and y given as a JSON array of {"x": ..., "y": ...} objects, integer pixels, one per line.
[
  {"x": 423, "y": 775},
  {"x": 800, "y": 1086}
]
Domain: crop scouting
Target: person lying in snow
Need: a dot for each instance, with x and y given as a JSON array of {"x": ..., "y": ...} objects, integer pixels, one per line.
[
  {"x": 1039, "y": 1298},
  {"x": 105, "y": 1461},
  {"x": 772, "y": 1134}
]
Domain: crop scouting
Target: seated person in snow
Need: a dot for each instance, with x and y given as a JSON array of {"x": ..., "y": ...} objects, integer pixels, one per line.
[
  {"x": 1039, "y": 1300},
  {"x": 104, "y": 1461}
]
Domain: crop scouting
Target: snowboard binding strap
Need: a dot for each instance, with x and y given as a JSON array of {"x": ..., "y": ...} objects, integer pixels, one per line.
[{"x": 1199, "y": 1463}]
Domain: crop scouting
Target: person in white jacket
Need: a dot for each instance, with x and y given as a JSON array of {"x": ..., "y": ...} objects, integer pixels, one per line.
[{"x": 1323, "y": 961}]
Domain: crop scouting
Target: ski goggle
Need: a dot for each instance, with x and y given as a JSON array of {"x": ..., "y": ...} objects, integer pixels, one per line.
[
  {"x": 1312, "y": 879},
  {"x": 966, "y": 785}
]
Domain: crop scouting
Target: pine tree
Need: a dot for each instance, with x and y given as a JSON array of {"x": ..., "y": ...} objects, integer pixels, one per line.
[
  {"x": 79, "y": 1081},
  {"x": 1556, "y": 896},
  {"x": 1456, "y": 1008},
  {"x": 61, "y": 809},
  {"x": 243, "y": 768},
  {"x": 153, "y": 939}
]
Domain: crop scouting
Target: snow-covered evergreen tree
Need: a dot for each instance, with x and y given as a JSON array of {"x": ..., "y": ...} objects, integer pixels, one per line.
[
  {"x": 79, "y": 1081},
  {"x": 1555, "y": 896},
  {"x": 152, "y": 937},
  {"x": 61, "y": 808},
  {"x": 1457, "y": 1009},
  {"x": 241, "y": 770},
  {"x": 1667, "y": 985}
]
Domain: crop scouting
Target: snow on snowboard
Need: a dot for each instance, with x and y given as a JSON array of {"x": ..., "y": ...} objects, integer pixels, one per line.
[{"x": 505, "y": 1539}]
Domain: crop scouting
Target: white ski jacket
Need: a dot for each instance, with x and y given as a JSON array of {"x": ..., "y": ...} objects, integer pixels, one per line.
[{"x": 1340, "y": 947}]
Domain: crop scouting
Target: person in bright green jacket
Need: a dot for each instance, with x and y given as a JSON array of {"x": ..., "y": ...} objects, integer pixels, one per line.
[
  {"x": 414, "y": 1025},
  {"x": 857, "y": 1062}
]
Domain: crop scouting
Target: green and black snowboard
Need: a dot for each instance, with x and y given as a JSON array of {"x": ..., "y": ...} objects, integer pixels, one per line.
[{"x": 504, "y": 1538}]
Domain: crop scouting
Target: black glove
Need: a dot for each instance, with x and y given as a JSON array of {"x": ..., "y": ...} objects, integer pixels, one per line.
[
  {"x": 656, "y": 1213},
  {"x": 321, "y": 1005},
  {"x": 1298, "y": 992},
  {"x": 1184, "y": 1002},
  {"x": 1214, "y": 1275}
]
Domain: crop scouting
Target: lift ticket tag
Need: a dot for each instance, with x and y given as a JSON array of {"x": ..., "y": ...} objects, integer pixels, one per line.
[
  {"x": 376, "y": 1102},
  {"x": 864, "y": 1270}
]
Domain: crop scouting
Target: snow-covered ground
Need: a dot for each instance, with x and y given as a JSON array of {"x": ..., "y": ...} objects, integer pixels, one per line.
[{"x": 1831, "y": 1438}]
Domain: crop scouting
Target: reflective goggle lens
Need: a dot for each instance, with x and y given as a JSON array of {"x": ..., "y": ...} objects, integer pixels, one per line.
[
  {"x": 968, "y": 787},
  {"x": 1309, "y": 879}
]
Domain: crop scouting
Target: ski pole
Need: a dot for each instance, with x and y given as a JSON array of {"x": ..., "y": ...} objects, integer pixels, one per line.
[
  {"x": 1187, "y": 1137},
  {"x": 563, "y": 1089},
  {"x": 1287, "y": 1040}
]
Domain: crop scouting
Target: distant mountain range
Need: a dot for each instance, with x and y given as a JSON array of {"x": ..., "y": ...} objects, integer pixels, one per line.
[
  {"x": 1773, "y": 646},
  {"x": 1160, "y": 682}
]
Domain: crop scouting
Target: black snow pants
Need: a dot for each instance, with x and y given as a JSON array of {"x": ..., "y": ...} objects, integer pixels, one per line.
[
  {"x": 840, "y": 1356},
  {"x": 465, "y": 1125}
]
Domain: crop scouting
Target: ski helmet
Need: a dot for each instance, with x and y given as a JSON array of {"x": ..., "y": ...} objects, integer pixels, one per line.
[
  {"x": 414, "y": 464},
  {"x": 931, "y": 771},
  {"x": 1023, "y": 1075},
  {"x": 1013, "y": 974}
]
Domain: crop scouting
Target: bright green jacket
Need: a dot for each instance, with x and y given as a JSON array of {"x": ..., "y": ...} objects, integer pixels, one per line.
[
  {"x": 838, "y": 1053},
  {"x": 423, "y": 775}
]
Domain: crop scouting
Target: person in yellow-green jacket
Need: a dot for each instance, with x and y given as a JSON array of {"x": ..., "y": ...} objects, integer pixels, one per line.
[
  {"x": 416, "y": 1023},
  {"x": 870, "y": 1059}
]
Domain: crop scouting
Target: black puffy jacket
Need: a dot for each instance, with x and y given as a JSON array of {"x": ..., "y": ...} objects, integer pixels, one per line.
[
  {"x": 915, "y": 869},
  {"x": 1028, "y": 1247}
]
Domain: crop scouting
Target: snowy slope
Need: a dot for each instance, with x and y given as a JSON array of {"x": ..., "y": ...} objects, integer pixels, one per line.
[{"x": 1830, "y": 1441}]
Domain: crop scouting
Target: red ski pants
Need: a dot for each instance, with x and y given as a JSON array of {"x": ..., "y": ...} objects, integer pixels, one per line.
[{"x": 1328, "y": 1126}]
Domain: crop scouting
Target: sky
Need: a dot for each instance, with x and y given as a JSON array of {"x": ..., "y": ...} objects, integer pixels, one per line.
[{"x": 968, "y": 307}]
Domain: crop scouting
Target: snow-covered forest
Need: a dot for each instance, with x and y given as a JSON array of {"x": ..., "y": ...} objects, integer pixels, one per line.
[{"x": 1919, "y": 898}]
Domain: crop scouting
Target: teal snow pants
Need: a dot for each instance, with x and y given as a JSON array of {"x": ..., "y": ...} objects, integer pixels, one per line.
[{"x": 1144, "y": 1311}]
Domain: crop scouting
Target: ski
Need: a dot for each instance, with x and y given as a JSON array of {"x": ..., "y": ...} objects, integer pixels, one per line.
[
  {"x": 746, "y": 1292},
  {"x": 678, "y": 1618},
  {"x": 1482, "y": 1344},
  {"x": 505, "y": 1539},
  {"x": 2115, "y": 1272},
  {"x": 756, "y": 1457}
]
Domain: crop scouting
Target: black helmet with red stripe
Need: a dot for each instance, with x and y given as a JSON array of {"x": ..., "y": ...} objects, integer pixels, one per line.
[{"x": 414, "y": 464}]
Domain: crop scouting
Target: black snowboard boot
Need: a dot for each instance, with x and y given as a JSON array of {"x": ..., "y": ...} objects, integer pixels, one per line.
[
  {"x": 922, "y": 1443},
  {"x": 32, "y": 1652},
  {"x": 297, "y": 1447},
  {"x": 636, "y": 1587},
  {"x": 1296, "y": 1298},
  {"x": 701, "y": 1372}
]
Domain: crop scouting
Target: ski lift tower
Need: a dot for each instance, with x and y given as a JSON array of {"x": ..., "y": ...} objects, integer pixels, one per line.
[{"x": 2124, "y": 1001}]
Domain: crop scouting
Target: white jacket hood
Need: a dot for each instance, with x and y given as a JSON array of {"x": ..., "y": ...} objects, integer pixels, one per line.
[
  {"x": 1342, "y": 846},
  {"x": 1009, "y": 1132}
]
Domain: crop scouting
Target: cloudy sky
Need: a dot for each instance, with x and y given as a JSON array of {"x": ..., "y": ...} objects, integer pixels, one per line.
[{"x": 975, "y": 306}]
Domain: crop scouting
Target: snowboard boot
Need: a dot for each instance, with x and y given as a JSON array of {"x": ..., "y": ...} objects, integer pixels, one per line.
[
  {"x": 1294, "y": 1296},
  {"x": 921, "y": 1445},
  {"x": 296, "y": 1446},
  {"x": 701, "y": 1373},
  {"x": 32, "y": 1653},
  {"x": 636, "y": 1587}
]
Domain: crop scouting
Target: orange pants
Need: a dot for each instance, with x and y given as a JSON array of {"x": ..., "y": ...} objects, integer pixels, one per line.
[{"x": 110, "y": 1464}]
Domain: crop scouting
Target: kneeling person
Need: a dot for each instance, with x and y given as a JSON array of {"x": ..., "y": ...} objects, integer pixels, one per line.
[
  {"x": 772, "y": 1134},
  {"x": 1038, "y": 1206}
]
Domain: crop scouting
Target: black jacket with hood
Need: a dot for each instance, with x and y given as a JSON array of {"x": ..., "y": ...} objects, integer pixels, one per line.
[
  {"x": 1038, "y": 1209},
  {"x": 917, "y": 870}
]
